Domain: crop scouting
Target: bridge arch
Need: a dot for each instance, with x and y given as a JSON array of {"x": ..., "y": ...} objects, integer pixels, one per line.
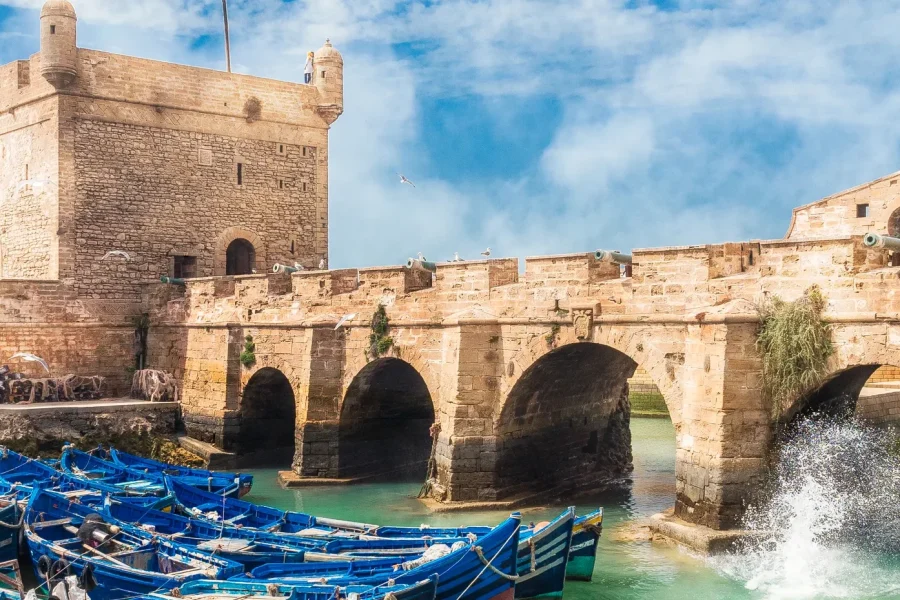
[
  {"x": 268, "y": 416},
  {"x": 384, "y": 428}
]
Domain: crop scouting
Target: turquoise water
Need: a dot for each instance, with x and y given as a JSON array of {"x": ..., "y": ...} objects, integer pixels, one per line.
[{"x": 625, "y": 569}]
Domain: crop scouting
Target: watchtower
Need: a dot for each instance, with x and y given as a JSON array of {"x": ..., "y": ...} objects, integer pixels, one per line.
[
  {"x": 329, "y": 79},
  {"x": 59, "y": 54}
]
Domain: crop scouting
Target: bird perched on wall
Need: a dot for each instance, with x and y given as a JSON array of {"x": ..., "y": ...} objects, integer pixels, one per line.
[
  {"x": 118, "y": 253},
  {"x": 421, "y": 257},
  {"x": 27, "y": 357},
  {"x": 322, "y": 265},
  {"x": 299, "y": 267},
  {"x": 403, "y": 179},
  {"x": 455, "y": 258},
  {"x": 487, "y": 252},
  {"x": 344, "y": 320},
  {"x": 35, "y": 183}
]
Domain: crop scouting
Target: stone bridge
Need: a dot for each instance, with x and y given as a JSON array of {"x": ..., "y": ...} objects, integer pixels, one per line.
[{"x": 524, "y": 370}]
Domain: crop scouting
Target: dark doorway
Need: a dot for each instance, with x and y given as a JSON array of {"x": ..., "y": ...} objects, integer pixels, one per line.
[
  {"x": 268, "y": 415},
  {"x": 240, "y": 258},
  {"x": 385, "y": 423}
]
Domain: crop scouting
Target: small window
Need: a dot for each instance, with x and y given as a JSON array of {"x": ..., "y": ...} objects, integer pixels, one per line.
[
  {"x": 323, "y": 74},
  {"x": 281, "y": 184},
  {"x": 304, "y": 186},
  {"x": 750, "y": 258},
  {"x": 293, "y": 250},
  {"x": 240, "y": 173},
  {"x": 185, "y": 267},
  {"x": 304, "y": 150},
  {"x": 862, "y": 211},
  {"x": 893, "y": 182},
  {"x": 53, "y": 30},
  {"x": 281, "y": 150}
]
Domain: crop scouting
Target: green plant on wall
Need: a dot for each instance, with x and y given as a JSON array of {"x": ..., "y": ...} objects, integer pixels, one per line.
[
  {"x": 795, "y": 344},
  {"x": 552, "y": 338},
  {"x": 248, "y": 355},
  {"x": 380, "y": 343}
]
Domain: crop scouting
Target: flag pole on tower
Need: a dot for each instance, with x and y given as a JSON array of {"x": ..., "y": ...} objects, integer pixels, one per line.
[{"x": 227, "y": 40}]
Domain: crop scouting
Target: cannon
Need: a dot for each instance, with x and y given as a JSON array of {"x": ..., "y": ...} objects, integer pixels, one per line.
[
  {"x": 613, "y": 257},
  {"x": 172, "y": 280},
  {"x": 279, "y": 268},
  {"x": 421, "y": 265},
  {"x": 873, "y": 240}
]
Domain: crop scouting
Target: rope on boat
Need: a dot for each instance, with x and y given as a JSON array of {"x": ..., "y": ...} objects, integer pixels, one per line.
[
  {"x": 432, "y": 461},
  {"x": 533, "y": 557},
  {"x": 489, "y": 564},
  {"x": 16, "y": 526}
]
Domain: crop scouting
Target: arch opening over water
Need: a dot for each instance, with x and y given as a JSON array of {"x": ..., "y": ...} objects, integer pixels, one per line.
[
  {"x": 565, "y": 424},
  {"x": 385, "y": 423},
  {"x": 870, "y": 392},
  {"x": 268, "y": 420}
]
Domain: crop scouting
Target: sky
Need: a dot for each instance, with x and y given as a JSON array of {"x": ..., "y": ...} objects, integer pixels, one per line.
[{"x": 554, "y": 126}]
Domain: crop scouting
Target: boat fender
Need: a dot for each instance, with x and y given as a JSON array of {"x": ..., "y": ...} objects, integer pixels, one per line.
[
  {"x": 43, "y": 566},
  {"x": 87, "y": 581},
  {"x": 59, "y": 569}
]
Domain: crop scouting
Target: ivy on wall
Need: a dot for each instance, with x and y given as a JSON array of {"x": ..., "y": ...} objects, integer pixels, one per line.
[{"x": 380, "y": 343}]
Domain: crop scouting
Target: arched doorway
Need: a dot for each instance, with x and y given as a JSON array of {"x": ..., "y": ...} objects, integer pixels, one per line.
[
  {"x": 565, "y": 423},
  {"x": 385, "y": 423},
  {"x": 240, "y": 258},
  {"x": 268, "y": 416}
]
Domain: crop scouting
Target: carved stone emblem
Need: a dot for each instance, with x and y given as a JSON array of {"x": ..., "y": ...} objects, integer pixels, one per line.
[{"x": 583, "y": 321}]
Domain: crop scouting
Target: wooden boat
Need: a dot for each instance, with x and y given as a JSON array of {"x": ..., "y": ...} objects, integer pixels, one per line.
[
  {"x": 147, "y": 465},
  {"x": 229, "y": 590},
  {"x": 66, "y": 537},
  {"x": 92, "y": 467},
  {"x": 541, "y": 559},
  {"x": 249, "y": 547},
  {"x": 580, "y": 565},
  {"x": 485, "y": 569}
]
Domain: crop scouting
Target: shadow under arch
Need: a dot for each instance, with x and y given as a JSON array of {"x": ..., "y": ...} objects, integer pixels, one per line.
[
  {"x": 866, "y": 391},
  {"x": 268, "y": 416},
  {"x": 565, "y": 423},
  {"x": 385, "y": 422}
]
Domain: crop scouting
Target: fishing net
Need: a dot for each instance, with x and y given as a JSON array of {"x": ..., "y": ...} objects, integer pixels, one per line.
[{"x": 155, "y": 386}]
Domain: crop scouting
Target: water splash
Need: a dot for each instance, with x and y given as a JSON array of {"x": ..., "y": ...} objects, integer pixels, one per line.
[{"x": 830, "y": 523}]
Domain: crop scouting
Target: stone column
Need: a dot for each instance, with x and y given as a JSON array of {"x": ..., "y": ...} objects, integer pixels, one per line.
[{"x": 317, "y": 435}]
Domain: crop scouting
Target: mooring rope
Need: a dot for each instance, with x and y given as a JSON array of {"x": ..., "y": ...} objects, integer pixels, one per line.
[{"x": 432, "y": 461}]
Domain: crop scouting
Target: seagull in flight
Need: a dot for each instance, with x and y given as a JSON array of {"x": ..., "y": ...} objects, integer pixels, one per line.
[
  {"x": 487, "y": 252},
  {"x": 119, "y": 253},
  {"x": 31, "y": 358},
  {"x": 403, "y": 179},
  {"x": 35, "y": 183},
  {"x": 344, "y": 320}
]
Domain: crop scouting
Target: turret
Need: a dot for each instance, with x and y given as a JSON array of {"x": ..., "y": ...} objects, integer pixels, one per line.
[
  {"x": 59, "y": 53},
  {"x": 329, "y": 80}
]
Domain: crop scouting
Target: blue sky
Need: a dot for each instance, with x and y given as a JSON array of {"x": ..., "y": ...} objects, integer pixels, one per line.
[{"x": 549, "y": 126}]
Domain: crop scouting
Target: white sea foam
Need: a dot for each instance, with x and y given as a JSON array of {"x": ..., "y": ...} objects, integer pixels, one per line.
[{"x": 830, "y": 524}]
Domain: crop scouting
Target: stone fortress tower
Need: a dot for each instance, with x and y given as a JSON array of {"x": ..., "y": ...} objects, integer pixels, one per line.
[{"x": 192, "y": 172}]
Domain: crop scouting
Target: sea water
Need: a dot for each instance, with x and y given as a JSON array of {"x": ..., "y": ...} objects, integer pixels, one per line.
[{"x": 801, "y": 565}]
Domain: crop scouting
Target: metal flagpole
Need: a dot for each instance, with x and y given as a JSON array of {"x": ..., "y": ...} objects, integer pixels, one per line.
[{"x": 227, "y": 40}]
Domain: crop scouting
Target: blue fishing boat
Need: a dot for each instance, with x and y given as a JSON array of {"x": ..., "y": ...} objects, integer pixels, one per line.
[
  {"x": 65, "y": 537},
  {"x": 229, "y": 590},
  {"x": 485, "y": 569},
  {"x": 10, "y": 526},
  {"x": 249, "y": 547},
  {"x": 88, "y": 466},
  {"x": 541, "y": 558},
  {"x": 580, "y": 565},
  {"x": 147, "y": 465}
]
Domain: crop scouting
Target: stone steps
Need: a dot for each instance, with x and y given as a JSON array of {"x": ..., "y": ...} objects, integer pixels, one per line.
[{"x": 216, "y": 459}]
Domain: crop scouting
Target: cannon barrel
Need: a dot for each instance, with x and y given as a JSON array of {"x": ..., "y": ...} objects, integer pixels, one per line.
[
  {"x": 280, "y": 268},
  {"x": 172, "y": 280},
  {"x": 873, "y": 240},
  {"x": 613, "y": 257},
  {"x": 423, "y": 265}
]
